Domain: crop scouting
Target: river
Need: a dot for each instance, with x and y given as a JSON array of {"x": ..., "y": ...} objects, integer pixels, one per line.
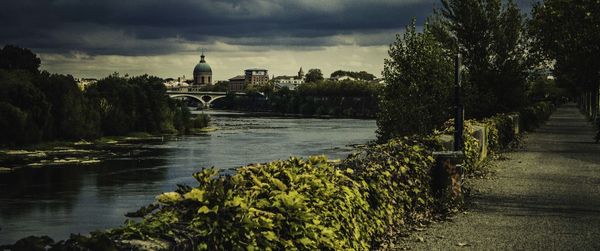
[{"x": 64, "y": 199}]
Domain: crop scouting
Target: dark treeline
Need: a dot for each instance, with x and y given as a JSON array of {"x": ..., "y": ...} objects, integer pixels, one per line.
[
  {"x": 323, "y": 98},
  {"x": 362, "y": 75},
  {"x": 39, "y": 106}
]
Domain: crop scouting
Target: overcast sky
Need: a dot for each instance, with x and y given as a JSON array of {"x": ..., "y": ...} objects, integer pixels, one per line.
[{"x": 95, "y": 38}]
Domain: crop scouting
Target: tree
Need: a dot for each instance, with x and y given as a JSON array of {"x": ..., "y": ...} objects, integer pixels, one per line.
[
  {"x": 567, "y": 33},
  {"x": 362, "y": 75},
  {"x": 491, "y": 39},
  {"x": 24, "y": 100},
  {"x": 16, "y": 58},
  {"x": 314, "y": 75},
  {"x": 418, "y": 95},
  {"x": 72, "y": 117}
]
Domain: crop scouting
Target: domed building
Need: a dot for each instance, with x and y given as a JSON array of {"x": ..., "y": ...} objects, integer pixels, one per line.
[{"x": 202, "y": 73}]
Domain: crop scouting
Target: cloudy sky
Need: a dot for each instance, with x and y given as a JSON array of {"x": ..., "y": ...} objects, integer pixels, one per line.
[{"x": 88, "y": 38}]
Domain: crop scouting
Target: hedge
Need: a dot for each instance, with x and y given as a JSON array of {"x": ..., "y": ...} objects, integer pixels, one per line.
[
  {"x": 531, "y": 117},
  {"x": 302, "y": 204},
  {"x": 297, "y": 203}
]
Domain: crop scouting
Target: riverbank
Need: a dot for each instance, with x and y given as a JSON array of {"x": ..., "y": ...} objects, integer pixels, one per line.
[
  {"x": 76, "y": 152},
  {"x": 64, "y": 199}
]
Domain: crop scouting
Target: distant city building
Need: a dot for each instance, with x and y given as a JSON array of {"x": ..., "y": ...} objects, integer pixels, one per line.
[
  {"x": 202, "y": 72},
  {"x": 290, "y": 86},
  {"x": 177, "y": 83},
  {"x": 291, "y": 82},
  {"x": 256, "y": 76},
  {"x": 237, "y": 83},
  {"x": 342, "y": 78}
]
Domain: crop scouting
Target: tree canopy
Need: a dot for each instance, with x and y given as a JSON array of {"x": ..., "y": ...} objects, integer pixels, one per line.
[
  {"x": 417, "y": 97},
  {"x": 361, "y": 75},
  {"x": 313, "y": 75},
  {"x": 16, "y": 58},
  {"x": 37, "y": 106},
  {"x": 491, "y": 37},
  {"x": 567, "y": 34}
]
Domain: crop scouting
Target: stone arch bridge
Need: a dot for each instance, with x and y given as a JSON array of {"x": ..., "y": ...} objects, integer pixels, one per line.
[{"x": 205, "y": 97}]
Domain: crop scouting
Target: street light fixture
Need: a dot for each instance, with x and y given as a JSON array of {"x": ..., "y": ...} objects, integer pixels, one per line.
[{"x": 459, "y": 112}]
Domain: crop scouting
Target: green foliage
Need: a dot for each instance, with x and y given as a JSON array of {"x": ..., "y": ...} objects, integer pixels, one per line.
[
  {"x": 491, "y": 38},
  {"x": 417, "y": 97},
  {"x": 22, "y": 101},
  {"x": 296, "y": 203},
  {"x": 136, "y": 104},
  {"x": 566, "y": 35},
  {"x": 313, "y": 75},
  {"x": 396, "y": 178},
  {"x": 72, "y": 115},
  {"x": 345, "y": 88},
  {"x": 567, "y": 32},
  {"x": 361, "y": 75},
  {"x": 545, "y": 89},
  {"x": 15, "y": 58},
  {"x": 200, "y": 121},
  {"x": 325, "y": 98},
  {"x": 502, "y": 131},
  {"x": 532, "y": 116},
  {"x": 37, "y": 106}
]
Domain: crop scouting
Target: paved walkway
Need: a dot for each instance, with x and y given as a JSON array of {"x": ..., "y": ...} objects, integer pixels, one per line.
[{"x": 545, "y": 196}]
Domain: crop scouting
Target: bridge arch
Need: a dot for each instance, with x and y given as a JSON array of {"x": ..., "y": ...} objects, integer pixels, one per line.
[
  {"x": 204, "y": 104},
  {"x": 213, "y": 98}
]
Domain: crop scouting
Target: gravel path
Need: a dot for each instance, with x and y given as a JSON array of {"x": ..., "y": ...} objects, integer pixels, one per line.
[{"x": 545, "y": 196}]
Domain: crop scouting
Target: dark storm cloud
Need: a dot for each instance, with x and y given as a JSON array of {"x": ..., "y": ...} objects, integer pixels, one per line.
[
  {"x": 136, "y": 27},
  {"x": 155, "y": 27}
]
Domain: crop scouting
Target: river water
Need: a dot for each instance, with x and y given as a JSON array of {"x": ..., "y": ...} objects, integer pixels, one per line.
[{"x": 60, "y": 200}]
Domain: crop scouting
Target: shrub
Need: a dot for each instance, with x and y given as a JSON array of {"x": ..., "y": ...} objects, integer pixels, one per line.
[
  {"x": 297, "y": 203},
  {"x": 502, "y": 131},
  {"x": 532, "y": 116},
  {"x": 200, "y": 121}
]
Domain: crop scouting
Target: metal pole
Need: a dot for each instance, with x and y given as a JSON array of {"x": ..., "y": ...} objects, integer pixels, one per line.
[{"x": 459, "y": 112}]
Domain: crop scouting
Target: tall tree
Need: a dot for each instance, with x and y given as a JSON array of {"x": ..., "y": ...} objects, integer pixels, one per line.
[
  {"x": 417, "y": 97},
  {"x": 490, "y": 36},
  {"x": 23, "y": 100}
]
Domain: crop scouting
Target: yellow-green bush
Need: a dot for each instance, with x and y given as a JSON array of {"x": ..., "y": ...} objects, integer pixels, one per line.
[{"x": 297, "y": 203}]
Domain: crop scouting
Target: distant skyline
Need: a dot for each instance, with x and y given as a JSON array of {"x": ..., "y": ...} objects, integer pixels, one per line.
[{"x": 164, "y": 38}]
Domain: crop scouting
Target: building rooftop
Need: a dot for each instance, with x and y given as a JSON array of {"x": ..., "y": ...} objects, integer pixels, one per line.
[{"x": 238, "y": 77}]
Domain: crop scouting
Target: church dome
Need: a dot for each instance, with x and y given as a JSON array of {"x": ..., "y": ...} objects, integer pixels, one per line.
[{"x": 202, "y": 67}]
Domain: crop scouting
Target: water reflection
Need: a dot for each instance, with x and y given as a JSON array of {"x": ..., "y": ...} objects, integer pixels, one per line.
[{"x": 60, "y": 200}]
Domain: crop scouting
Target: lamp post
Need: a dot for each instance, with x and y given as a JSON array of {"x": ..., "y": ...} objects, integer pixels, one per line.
[
  {"x": 459, "y": 114},
  {"x": 449, "y": 162}
]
